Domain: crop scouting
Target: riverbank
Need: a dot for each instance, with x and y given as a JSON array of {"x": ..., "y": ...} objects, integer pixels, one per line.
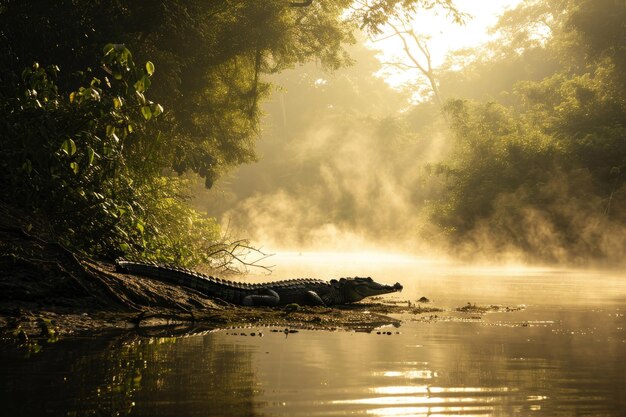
[
  {"x": 102, "y": 299},
  {"x": 562, "y": 353},
  {"x": 46, "y": 290}
]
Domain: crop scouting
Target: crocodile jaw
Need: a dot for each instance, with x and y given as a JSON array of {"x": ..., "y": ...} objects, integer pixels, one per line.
[{"x": 370, "y": 288}]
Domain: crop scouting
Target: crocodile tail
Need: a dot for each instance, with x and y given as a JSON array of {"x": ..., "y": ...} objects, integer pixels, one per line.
[{"x": 209, "y": 286}]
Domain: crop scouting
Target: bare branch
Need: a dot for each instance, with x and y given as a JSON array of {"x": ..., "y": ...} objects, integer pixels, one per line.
[
  {"x": 305, "y": 3},
  {"x": 237, "y": 256},
  {"x": 384, "y": 38},
  {"x": 410, "y": 40},
  {"x": 407, "y": 49},
  {"x": 400, "y": 65}
]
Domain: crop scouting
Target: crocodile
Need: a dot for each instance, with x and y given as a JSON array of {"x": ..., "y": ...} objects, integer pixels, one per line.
[{"x": 305, "y": 291}]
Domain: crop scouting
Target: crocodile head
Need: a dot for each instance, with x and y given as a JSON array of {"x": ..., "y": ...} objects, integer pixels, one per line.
[{"x": 356, "y": 289}]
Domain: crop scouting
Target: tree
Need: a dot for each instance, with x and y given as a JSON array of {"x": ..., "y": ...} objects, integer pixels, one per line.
[
  {"x": 88, "y": 154},
  {"x": 416, "y": 58},
  {"x": 544, "y": 172},
  {"x": 210, "y": 55}
]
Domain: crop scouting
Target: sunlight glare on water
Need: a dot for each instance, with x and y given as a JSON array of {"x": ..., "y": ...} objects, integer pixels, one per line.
[{"x": 439, "y": 279}]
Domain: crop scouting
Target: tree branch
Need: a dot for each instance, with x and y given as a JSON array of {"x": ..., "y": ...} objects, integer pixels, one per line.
[
  {"x": 232, "y": 257},
  {"x": 305, "y": 3}
]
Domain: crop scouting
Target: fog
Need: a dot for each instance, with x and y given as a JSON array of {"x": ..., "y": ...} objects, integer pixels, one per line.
[
  {"x": 347, "y": 163},
  {"x": 338, "y": 166}
]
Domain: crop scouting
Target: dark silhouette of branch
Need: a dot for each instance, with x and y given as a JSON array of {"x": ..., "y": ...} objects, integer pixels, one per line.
[
  {"x": 305, "y": 3},
  {"x": 408, "y": 38},
  {"x": 233, "y": 257}
]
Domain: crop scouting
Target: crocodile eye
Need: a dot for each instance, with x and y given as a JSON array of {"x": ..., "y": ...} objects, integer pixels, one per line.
[{"x": 369, "y": 279}]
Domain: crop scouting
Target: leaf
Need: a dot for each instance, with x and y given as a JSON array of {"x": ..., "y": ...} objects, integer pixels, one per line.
[
  {"x": 142, "y": 84},
  {"x": 72, "y": 96},
  {"x": 139, "y": 86},
  {"x": 117, "y": 102},
  {"x": 147, "y": 113},
  {"x": 110, "y": 130},
  {"x": 69, "y": 147},
  {"x": 27, "y": 166},
  {"x": 150, "y": 68},
  {"x": 158, "y": 109},
  {"x": 74, "y": 167},
  {"x": 125, "y": 54},
  {"x": 90, "y": 155},
  {"x": 108, "y": 48},
  {"x": 140, "y": 227}
]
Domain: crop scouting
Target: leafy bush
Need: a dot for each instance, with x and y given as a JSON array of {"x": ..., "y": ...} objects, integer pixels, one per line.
[{"x": 92, "y": 163}]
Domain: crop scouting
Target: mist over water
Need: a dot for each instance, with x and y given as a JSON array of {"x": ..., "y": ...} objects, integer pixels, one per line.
[
  {"x": 562, "y": 353},
  {"x": 340, "y": 167},
  {"x": 452, "y": 283},
  {"x": 523, "y": 162},
  {"x": 345, "y": 164}
]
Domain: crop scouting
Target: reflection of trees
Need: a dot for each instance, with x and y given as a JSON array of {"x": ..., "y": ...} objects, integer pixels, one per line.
[
  {"x": 152, "y": 377},
  {"x": 197, "y": 376}
]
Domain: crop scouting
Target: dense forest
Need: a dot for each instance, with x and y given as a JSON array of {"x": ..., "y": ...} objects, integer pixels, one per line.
[
  {"x": 114, "y": 114},
  {"x": 106, "y": 104},
  {"x": 521, "y": 157}
]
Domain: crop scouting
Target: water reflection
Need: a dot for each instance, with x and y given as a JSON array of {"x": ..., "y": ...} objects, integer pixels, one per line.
[
  {"x": 402, "y": 400},
  {"x": 431, "y": 411},
  {"x": 145, "y": 377},
  {"x": 549, "y": 359}
]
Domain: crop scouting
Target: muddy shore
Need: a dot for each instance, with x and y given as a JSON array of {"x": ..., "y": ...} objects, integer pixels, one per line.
[
  {"x": 86, "y": 297},
  {"x": 48, "y": 291}
]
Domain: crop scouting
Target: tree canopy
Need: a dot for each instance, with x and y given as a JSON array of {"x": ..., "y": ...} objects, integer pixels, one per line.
[
  {"x": 528, "y": 161},
  {"x": 107, "y": 100},
  {"x": 110, "y": 108},
  {"x": 542, "y": 167}
]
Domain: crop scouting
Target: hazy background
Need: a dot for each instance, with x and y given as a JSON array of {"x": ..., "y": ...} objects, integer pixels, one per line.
[
  {"x": 364, "y": 158},
  {"x": 338, "y": 165}
]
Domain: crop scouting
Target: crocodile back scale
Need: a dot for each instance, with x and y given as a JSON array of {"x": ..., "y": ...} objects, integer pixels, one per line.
[{"x": 304, "y": 291}]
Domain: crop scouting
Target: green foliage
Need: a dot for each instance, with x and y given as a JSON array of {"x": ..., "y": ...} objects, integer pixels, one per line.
[
  {"x": 170, "y": 230},
  {"x": 90, "y": 162},
  {"x": 494, "y": 153},
  {"x": 544, "y": 172},
  {"x": 211, "y": 58},
  {"x": 373, "y": 15},
  {"x": 90, "y": 151}
]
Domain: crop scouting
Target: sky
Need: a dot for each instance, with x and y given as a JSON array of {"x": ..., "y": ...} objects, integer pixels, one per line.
[{"x": 445, "y": 35}]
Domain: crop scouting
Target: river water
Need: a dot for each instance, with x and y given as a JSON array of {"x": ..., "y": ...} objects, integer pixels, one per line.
[{"x": 562, "y": 354}]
